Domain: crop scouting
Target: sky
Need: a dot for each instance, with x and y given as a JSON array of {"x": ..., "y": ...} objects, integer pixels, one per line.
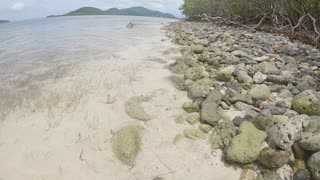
[{"x": 30, "y": 9}]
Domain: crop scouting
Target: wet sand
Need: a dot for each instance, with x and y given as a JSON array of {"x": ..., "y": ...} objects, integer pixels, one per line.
[{"x": 65, "y": 133}]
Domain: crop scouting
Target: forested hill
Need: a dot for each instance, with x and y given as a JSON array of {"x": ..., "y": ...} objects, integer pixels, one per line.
[
  {"x": 4, "y": 21},
  {"x": 133, "y": 11}
]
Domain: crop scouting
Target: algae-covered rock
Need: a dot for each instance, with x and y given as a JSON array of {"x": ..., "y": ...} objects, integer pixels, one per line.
[
  {"x": 260, "y": 92},
  {"x": 234, "y": 96},
  {"x": 133, "y": 107},
  {"x": 283, "y": 135},
  {"x": 126, "y": 144},
  {"x": 193, "y": 134},
  {"x": 205, "y": 128},
  {"x": 270, "y": 175},
  {"x": 314, "y": 165},
  {"x": 194, "y": 73},
  {"x": 225, "y": 74},
  {"x": 191, "y": 107},
  {"x": 196, "y": 90},
  {"x": 197, "y": 49},
  {"x": 178, "y": 82},
  {"x": 307, "y": 102},
  {"x": 246, "y": 147},
  {"x": 273, "y": 159},
  {"x": 209, "y": 107},
  {"x": 222, "y": 135},
  {"x": 193, "y": 118}
]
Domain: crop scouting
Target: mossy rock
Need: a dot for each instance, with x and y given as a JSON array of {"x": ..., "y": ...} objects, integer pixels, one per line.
[
  {"x": 126, "y": 144},
  {"x": 134, "y": 109},
  {"x": 307, "y": 102},
  {"x": 193, "y": 134},
  {"x": 245, "y": 148}
]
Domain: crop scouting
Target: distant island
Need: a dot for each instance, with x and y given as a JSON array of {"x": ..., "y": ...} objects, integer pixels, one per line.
[
  {"x": 4, "y": 21},
  {"x": 133, "y": 11}
]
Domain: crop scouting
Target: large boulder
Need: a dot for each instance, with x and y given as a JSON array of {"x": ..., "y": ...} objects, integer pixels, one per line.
[
  {"x": 283, "y": 135},
  {"x": 246, "y": 147},
  {"x": 260, "y": 92},
  {"x": 314, "y": 165},
  {"x": 307, "y": 102},
  {"x": 209, "y": 108},
  {"x": 126, "y": 144}
]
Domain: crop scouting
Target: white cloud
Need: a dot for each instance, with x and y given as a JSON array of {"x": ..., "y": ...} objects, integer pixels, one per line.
[{"x": 18, "y": 6}]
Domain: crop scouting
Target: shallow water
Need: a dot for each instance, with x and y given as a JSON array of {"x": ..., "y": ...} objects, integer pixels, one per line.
[{"x": 35, "y": 51}]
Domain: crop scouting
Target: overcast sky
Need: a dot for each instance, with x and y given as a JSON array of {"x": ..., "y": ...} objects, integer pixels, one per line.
[{"x": 29, "y": 9}]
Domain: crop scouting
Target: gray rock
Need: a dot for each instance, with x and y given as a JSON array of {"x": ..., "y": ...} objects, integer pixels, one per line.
[
  {"x": 271, "y": 175},
  {"x": 237, "y": 121},
  {"x": 307, "y": 102},
  {"x": 234, "y": 96},
  {"x": 209, "y": 108},
  {"x": 260, "y": 92},
  {"x": 283, "y": 135},
  {"x": 273, "y": 159},
  {"x": 242, "y": 106},
  {"x": 314, "y": 125},
  {"x": 246, "y": 147},
  {"x": 259, "y": 78},
  {"x": 196, "y": 90},
  {"x": 310, "y": 141},
  {"x": 204, "y": 57},
  {"x": 302, "y": 174},
  {"x": 243, "y": 77},
  {"x": 314, "y": 165}
]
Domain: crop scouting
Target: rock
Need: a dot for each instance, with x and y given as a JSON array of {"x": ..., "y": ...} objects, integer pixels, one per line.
[
  {"x": 246, "y": 147},
  {"x": 270, "y": 175},
  {"x": 205, "y": 128},
  {"x": 310, "y": 141},
  {"x": 178, "y": 82},
  {"x": 266, "y": 68},
  {"x": 302, "y": 174},
  {"x": 299, "y": 152},
  {"x": 205, "y": 81},
  {"x": 237, "y": 121},
  {"x": 178, "y": 139},
  {"x": 191, "y": 107},
  {"x": 276, "y": 79},
  {"x": 283, "y": 135},
  {"x": 225, "y": 74},
  {"x": 194, "y": 73},
  {"x": 234, "y": 96},
  {"x": 193, "y": 118},
  {"x": 222, "y": 135},
  {"x": 314, "y": 125},
  {"x": 273, "y": 159},
  {"x": 193, "y": 134},
  {"x": 248, "y": 174},
  {"x": 314, "y": 165},
  {"x": 196, "y": 90},
  {"x": 180, "y": 68},
  {"x": 126, "y": 144},
  {"x": 209, "y": 107},
  {"x": 307, "y": 102},
  {"x": 133, "y": 107},
  {"x": 204, "y": 57},
  {"x": 197, "y": 49},
  {"x": 202, "y": 42},
  {"x": 243, "y": 77},
  {"x": 242, "y": 106},
  {"x": 259, "y": 78},
  {"x": 260, "y": 92}
]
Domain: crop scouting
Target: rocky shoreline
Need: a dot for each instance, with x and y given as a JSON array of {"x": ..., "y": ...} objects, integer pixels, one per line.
[{"x": 256, "y": 94}]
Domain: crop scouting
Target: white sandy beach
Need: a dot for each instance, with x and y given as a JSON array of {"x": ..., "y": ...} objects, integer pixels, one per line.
[{"x": 65, "y": 133}]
